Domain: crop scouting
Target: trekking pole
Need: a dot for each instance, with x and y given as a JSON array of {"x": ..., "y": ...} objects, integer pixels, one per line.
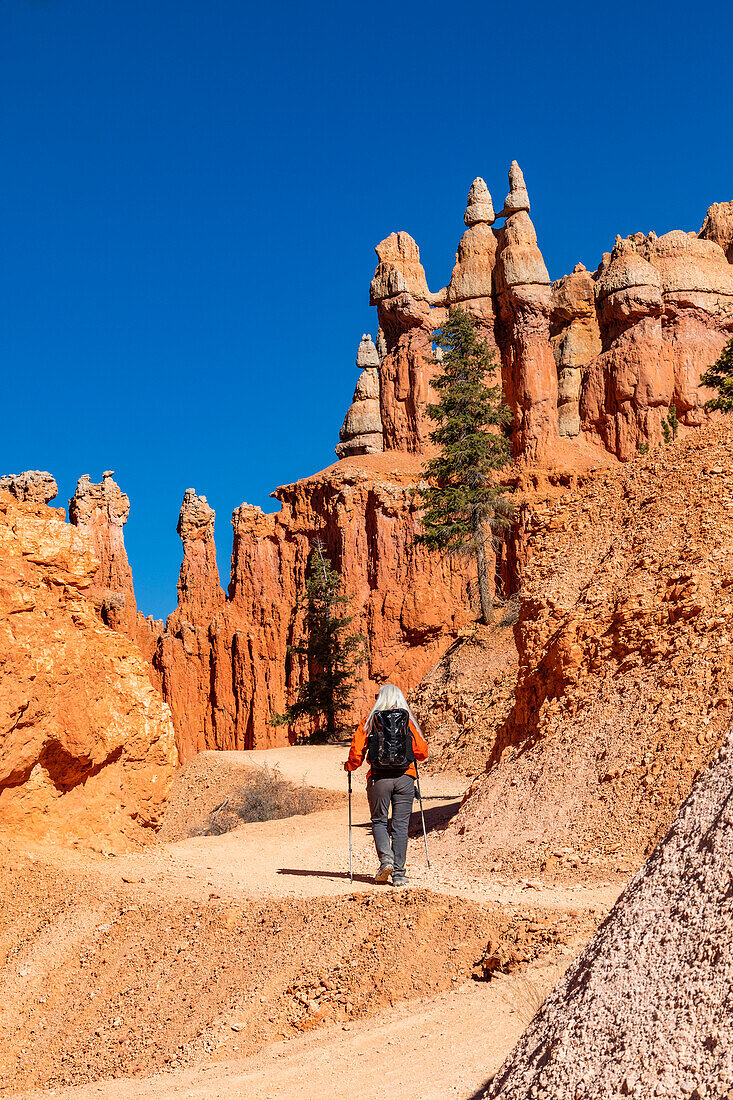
[
  {"x": 351, "y": 861},
  {"x": 422, "y": 815}
]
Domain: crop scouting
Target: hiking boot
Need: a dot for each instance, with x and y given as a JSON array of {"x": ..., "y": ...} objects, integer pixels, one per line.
[
  {"x": 384, "y": 873},
  {"x": 399, "y": 878}
]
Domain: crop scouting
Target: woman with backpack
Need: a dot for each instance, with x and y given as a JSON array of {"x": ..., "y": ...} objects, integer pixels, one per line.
[{"x": 392, "y": 741}]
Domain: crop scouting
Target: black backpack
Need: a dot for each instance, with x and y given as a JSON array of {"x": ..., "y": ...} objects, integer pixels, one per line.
[{"x": 389, "y": 745}]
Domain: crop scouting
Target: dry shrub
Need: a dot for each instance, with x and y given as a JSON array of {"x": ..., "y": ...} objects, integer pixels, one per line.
[
  {"x": 263, "y": 796},
  {"x": 511, "y": 607}
]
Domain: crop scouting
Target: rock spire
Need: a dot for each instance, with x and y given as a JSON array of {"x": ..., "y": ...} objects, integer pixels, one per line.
[
  {"x": 479, "y": 207},
  {"x": 518, "y": 198},
  {"x": 101, "y": 509},
  {"x": 361, "y": 432}
]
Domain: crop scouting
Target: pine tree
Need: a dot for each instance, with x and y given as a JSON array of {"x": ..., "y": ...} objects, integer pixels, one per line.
[
  {"x": 720, "y": 377},
  {"x": 331, "y": 650},
  {"x": 463, "y": 506}
]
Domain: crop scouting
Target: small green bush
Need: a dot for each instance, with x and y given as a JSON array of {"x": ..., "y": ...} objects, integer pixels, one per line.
[{"x": 670, "y": 426}]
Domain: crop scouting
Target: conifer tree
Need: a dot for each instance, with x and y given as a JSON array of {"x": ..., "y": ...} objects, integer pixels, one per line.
[
  {"x": 332, "y": 651},
  {"x": 463, "y": 506},
  {"x": 720, "y": 377}
]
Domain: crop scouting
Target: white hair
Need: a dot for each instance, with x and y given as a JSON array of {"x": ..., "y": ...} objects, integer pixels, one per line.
[{"x": 390, "y": 698}]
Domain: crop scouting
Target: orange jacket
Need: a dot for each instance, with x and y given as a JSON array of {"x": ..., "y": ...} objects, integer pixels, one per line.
[{"x": 359, "y": 746}]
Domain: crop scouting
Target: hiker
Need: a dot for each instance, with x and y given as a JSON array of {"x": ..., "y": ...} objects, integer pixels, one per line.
[{"x": 391, "y": 739}]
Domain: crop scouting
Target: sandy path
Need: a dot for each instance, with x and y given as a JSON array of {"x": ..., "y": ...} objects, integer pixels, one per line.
[
  {"x": 309, "y": 856},
  {"x": 422, "y": 1050},
  {"x": 445, "y": 1046}
]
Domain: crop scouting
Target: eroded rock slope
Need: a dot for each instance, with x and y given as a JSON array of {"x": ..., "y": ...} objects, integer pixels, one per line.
[
  {"x": 86, "y": 743},
  {"x": 625, "y": 643}
]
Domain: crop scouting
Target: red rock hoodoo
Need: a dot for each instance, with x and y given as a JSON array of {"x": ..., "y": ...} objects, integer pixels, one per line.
[{"x": 590, "y": 365}]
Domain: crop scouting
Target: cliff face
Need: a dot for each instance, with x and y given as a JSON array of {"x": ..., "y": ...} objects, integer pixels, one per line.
[
  {"x": 86, "y": 743},
  {"x": 224, "y": 663}
]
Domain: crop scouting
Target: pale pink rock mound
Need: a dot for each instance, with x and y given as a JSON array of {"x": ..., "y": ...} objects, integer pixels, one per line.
[{"x": 645, "y": 1010}]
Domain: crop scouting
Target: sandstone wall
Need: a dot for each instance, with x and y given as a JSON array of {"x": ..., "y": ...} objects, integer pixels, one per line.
[{"x": 224, "y": 663}]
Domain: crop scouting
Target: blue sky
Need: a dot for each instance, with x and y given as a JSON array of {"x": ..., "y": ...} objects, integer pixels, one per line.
[{"x": 192, "y": 192}]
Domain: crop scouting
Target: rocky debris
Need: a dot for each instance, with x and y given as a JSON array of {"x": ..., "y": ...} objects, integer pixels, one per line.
[
  {"x": 466, "y": 697},
  {"x": 625, "y": 642},
  {"x": 183, "y": 656},
  {"x": 33, "y": 486},
  {"x": 718, "y": 227},
  {"x": 524, "y": 302},
  {"x": 645, "y": 1010},
  {"x": 100, "y": 510},
  {"x": 518, "y": 197},
  {"x": 175, "y": 978},
  {"x": 87, "y": 751},
  {"x": 527, "y": 935},
  {"x": 361, "y": 432},
  {"x": 479, "y": 207},
  {"x": 575, "y": 340}
]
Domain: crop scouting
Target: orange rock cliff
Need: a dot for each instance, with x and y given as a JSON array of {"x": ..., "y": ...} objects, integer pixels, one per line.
[
  {"x": 591, "y": 366},
  {"x": 86, "y": 742}
]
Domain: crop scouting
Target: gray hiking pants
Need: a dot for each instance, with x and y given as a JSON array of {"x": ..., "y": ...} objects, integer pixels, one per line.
[{"x": 397, "y": 792}]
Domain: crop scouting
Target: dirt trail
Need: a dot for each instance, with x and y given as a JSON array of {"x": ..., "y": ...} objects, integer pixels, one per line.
[
  {"x": 197, "y": 933},
  {"x": 308, "y": 856}
]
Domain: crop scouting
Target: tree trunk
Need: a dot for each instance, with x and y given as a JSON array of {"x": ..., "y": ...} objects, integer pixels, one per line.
[{"x": 484, "y": 584}]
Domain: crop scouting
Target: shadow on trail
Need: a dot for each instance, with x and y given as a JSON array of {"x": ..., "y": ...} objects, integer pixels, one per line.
[
  {"x": 323, "y": 874},
  {"x": 436, "y": 817},
  {"x": 481, "y": 1094}
]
